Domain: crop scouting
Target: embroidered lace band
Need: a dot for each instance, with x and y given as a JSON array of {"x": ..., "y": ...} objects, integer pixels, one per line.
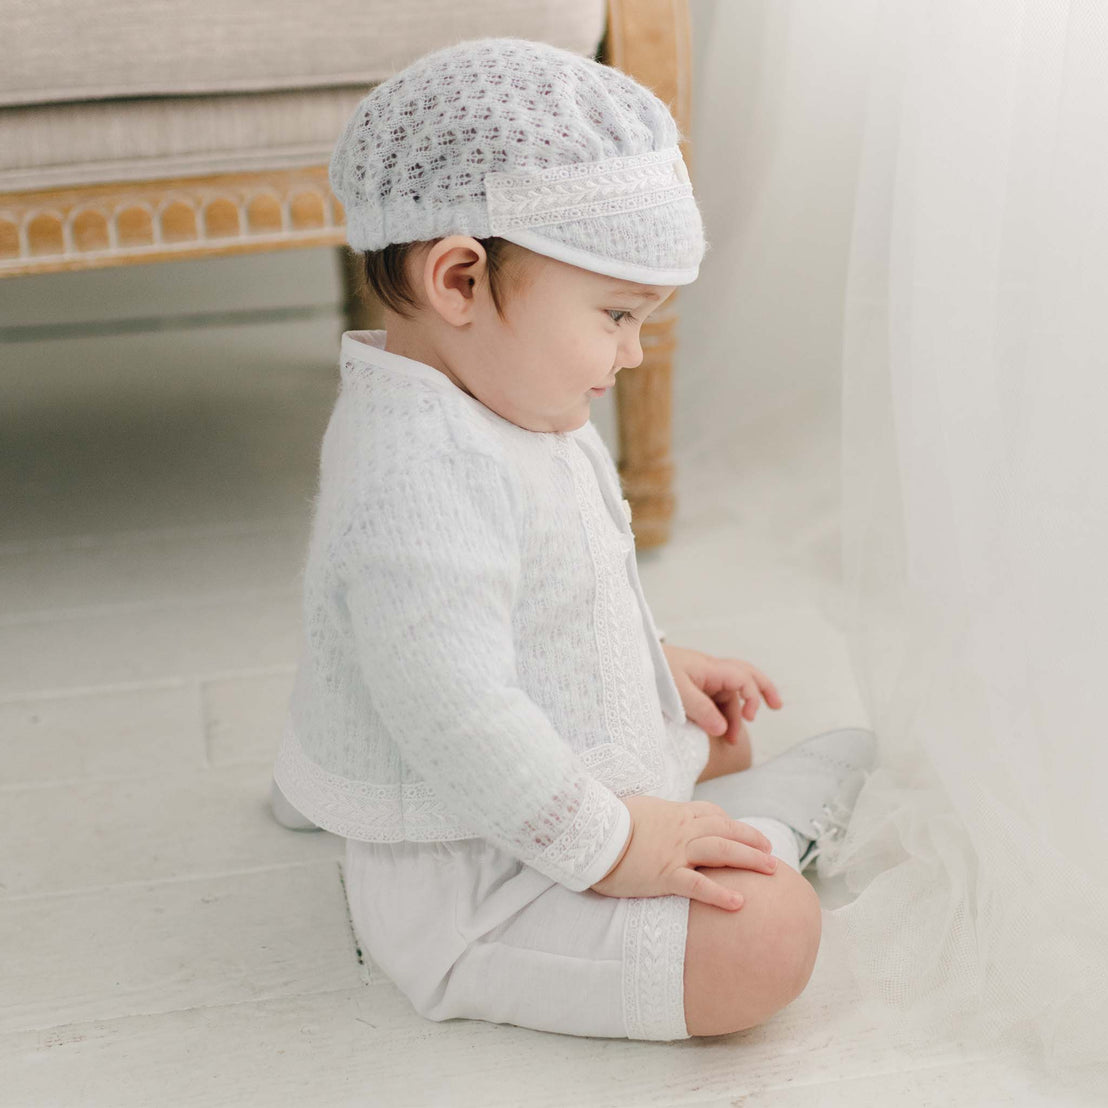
[{"x": 563, "y": 193}]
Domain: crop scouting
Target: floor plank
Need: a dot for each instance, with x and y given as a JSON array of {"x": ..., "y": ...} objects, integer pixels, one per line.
[
  {"x": 145, "y": 949},
  {"x": 88, "y": 835}
]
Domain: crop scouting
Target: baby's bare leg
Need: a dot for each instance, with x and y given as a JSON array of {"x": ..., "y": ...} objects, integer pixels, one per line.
[
  {"x": 742, "y": 967},
  {"x": 725, "y": 757}
]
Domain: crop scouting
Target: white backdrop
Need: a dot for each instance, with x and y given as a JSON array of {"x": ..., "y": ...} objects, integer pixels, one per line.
[{"x": 906, "y": 205}]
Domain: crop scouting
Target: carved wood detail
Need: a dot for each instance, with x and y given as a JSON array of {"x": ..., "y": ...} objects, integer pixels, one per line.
[{"x": 87, "y": 227}]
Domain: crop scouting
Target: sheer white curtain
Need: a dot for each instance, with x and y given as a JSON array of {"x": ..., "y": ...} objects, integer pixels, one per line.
[{"x": 973, "y": 369}]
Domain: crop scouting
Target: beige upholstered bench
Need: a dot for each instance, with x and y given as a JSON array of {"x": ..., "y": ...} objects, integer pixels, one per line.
[{"x": 134, "y": 132}]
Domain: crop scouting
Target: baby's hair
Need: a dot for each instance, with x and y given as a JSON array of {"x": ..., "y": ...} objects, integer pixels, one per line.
[{"x": 386, "y": 273}]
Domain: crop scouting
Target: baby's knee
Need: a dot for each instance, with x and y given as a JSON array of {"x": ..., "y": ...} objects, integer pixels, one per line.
[{"x": 742, "y": 967}]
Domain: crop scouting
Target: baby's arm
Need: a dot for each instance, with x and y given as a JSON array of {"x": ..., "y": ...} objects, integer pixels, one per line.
[{"x": 432, "y": 563}]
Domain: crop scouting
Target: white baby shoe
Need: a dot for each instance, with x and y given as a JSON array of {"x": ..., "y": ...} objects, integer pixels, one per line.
[
  {"x": 811, "y": 787},
  {"x": 285, "y": 814}
]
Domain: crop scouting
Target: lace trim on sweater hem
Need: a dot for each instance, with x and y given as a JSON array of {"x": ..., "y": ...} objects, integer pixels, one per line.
[
  {"x": 411, "y": 811},
  {"x": 360, "y": 809}
]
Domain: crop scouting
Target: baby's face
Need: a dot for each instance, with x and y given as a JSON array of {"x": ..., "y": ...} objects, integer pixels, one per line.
[
  {"x": 566, "y": 335},
  {"x": 566, "y": 338}
]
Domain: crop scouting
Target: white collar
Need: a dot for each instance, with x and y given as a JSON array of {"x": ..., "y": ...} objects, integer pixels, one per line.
[{"x": 368, "y": 347}]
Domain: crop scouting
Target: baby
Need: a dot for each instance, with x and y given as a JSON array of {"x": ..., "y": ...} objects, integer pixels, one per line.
[{"x": 540, "y": 828}]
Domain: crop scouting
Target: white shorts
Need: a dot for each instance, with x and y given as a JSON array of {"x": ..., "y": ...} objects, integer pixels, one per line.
[{"x": 464, "y": 929}]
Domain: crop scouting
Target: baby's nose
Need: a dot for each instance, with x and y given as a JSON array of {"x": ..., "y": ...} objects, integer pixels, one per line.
[{"x": 635, "y": 356}]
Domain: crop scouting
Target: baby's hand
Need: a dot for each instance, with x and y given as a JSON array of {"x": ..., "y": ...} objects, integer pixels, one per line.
[
  {"x": 718, "y": 694},
  {"x": 668, "y": 838}
]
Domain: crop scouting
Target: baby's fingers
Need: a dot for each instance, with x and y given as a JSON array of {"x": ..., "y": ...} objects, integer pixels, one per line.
[
  {"x": 733, "y": 829},
  {"x": 714, "y": 850},
  {"x": 698, "y": 886}
]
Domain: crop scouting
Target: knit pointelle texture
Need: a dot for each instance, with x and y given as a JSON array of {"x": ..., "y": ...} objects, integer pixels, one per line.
[
  {"x": 529, "y": 142},
  {"x": 478, "y": 658}
]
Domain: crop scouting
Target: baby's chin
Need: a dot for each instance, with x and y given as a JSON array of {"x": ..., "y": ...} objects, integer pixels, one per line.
[{"x": 569, "y": 421}]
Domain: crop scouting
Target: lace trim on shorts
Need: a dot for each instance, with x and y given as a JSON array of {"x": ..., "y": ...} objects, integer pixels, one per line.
[{"x": 654, "y": 967}]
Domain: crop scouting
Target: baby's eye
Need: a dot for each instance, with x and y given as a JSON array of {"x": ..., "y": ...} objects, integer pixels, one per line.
[{"x": 619, "y": 311}]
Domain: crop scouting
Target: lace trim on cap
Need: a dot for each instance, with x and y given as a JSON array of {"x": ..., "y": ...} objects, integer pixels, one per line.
[{"x": 564, "y": 193}]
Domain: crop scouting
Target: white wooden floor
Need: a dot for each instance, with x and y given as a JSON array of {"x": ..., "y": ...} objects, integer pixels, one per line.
[{"x": 164, "y": 942}]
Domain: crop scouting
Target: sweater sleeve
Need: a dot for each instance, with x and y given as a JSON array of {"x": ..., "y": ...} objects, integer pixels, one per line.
[{"x": 432, "y": 570}]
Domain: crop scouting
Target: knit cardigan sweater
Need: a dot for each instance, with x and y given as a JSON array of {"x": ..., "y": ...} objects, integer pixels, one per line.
[{"x": 477, "y": 656}]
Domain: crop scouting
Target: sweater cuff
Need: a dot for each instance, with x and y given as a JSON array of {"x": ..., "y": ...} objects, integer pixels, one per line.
[{"x": 608, "y": 855}]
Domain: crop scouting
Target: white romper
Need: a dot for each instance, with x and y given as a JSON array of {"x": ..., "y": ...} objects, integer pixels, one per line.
[
  {"x": 464, "y": 929},
  {"x": 480, "y": 682}
]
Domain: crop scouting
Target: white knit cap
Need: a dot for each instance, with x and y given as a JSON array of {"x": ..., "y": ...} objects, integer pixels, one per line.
[{"x": 529, "y": 142}]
